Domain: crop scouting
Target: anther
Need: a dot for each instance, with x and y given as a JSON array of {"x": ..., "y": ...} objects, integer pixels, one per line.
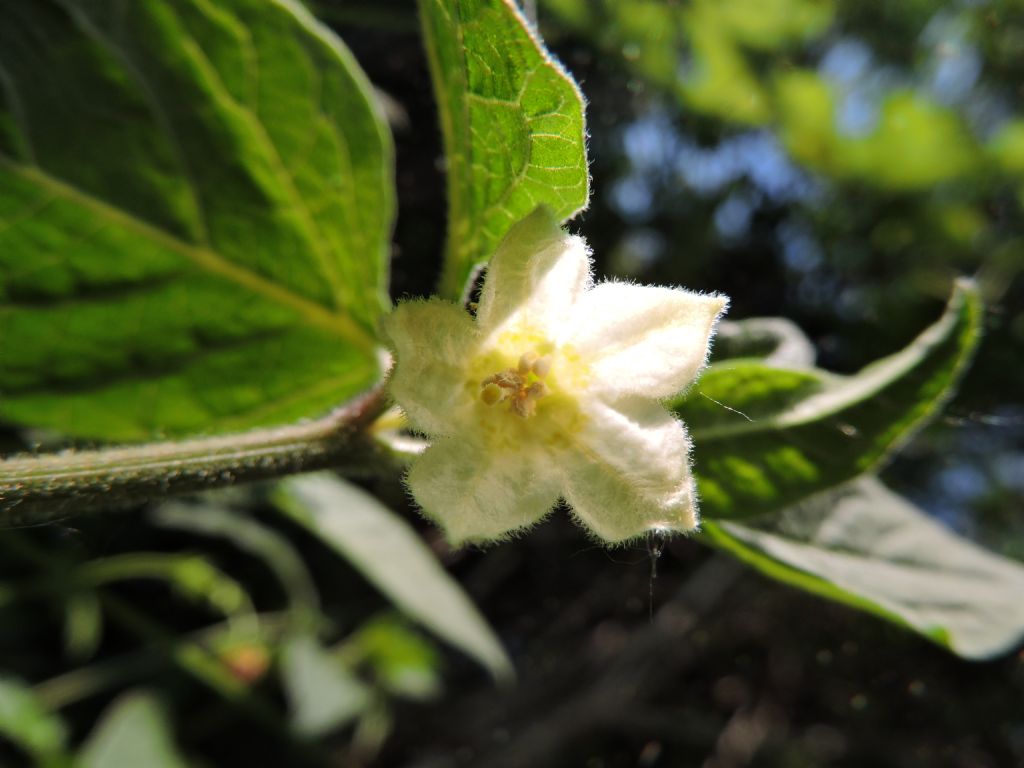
[
  {"x": 524, "y": 406},
  {"x": 537, "y": 390},
  {"x": 491, "y": 393},
  {"x": 515, "y": 385},
  {"x": 541, "y": 366},
  {"x": 527, "y": 361}
]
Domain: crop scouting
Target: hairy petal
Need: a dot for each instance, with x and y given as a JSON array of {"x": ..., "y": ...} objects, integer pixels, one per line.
[
  {"x": 432, "y": 340},
  {"x": 534, "y": 278},
  {"x": 633, "y": 473},
  {"x": 643, "y": 340},
  {"x": 475, "y": 495}
]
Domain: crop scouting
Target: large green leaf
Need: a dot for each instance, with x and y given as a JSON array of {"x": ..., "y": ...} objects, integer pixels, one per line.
[
  {"x": 195, "y": 206},
  {"x": 134, "y": 731},
  {"x": 394, "y": 559},
  {"x": 868, "y": 547},
  {"x": 766, "y": 437},
  {"x": 513, "y": 127}
]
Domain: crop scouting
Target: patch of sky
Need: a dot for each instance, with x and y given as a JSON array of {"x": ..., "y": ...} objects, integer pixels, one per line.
[
  {"x": 860, "y": 86},
  {"x": 952, "y": 75},
  {"x": 756, "y": 156},
  {"x": 660, "y": 155},
  {"x": 800, "y": 249},
  {"x": 1009, "y": 469},
  {"x": 633, "y": 197},
  {"x": 846, "y": 61},
  {"x": 954, "y": 64},
  {"x": 988, "y": 462},
  {"x": 732, "y": 217},
  {"x": 637, "y": 252}
]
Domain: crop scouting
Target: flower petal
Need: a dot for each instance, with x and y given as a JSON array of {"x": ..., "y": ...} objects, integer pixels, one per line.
[
  {"x": 432, "y": 340},
  {"x": 633, "y": 474},
  {"x": 475, "y": 495},
  {"x": 643, "y": 340},
  {"x": 535, "y": 276}
]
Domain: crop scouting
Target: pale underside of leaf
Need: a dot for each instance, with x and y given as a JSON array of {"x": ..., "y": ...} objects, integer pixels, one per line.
[
  {"x": 393, "y": 558},
  {"x": 133, "y": 731},
  {"x": 866, "y": 546}
]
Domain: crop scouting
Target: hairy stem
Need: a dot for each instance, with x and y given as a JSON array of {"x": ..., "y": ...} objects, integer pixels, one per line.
[{"x": 37, "y": 489}]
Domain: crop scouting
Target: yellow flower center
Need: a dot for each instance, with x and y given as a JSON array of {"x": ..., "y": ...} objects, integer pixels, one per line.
[
  {"x": 521, "y": 386},
  {"x": 526, "y": 402}
]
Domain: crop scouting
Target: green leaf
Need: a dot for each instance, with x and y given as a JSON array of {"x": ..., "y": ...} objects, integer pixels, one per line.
[
  {"x": 513, "y": 127},
  {"x": 190, "y": 576},
  {"x": 322, "y": 693},
  {"x": 404, "y": 663},
  {"x": 24, "y": 721},
  {"x": 868, "y": 547},
  {"x": 766, "y": 437},
  {"x": 394, "y": 559},
  {"x": 83, "y": 623},
  {"x": 134, "y": 731},
  {"x": 196, "y": 201},
  {"x": 252, "y": 537},
  {"x": 776, "y": 340}
]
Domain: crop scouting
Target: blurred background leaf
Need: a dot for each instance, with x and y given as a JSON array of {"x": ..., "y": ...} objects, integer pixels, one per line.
[
  {"x": 198, "y": 203},
  {"x": 25, "y": 722},
  {"x": 323, "y": 695},
  {"x": 394, "y": 559},
  {"x": 133, "y": 731},
  {"x": 260, "y": 541}
]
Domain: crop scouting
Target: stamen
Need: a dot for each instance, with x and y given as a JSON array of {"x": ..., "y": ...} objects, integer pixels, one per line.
[
  {"x": 526, "y": 362},
  {"x": 537, "y": 390},
  {"x": 524, "y": 407},
  {"x": 491, "y": 393},
  {"x": 541, "y": 366},
  {"x": 521, "y": 385}
]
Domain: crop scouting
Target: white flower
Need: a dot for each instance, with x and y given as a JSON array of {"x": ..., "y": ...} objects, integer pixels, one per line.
[{"x": 551, "y": 392}]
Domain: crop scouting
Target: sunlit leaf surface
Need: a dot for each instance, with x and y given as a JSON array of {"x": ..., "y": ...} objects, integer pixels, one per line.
[
  {"x": 513, "y": 127},
  {"x": 195, "y": 209},
  {"x": 766, "y": 437}
]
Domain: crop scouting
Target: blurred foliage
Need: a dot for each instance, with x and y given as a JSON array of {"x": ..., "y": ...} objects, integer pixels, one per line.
[{"x": 177, "y": 622}]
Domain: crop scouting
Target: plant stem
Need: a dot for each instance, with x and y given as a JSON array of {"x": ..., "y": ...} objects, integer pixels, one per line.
[{"x": 38, "y": 489}]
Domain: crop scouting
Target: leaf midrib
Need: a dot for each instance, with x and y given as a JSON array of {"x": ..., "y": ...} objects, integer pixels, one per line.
[{"x": 340, "y": 325}]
